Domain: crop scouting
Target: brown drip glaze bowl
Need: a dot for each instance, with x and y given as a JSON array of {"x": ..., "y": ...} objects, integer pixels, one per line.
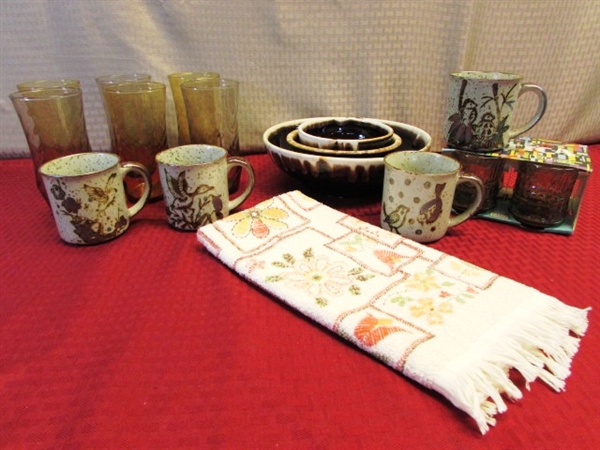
[
  {"x": 344, "y": 133},
  {"x": 335, "y": 175},
  {"x": 388, "y": 145}
]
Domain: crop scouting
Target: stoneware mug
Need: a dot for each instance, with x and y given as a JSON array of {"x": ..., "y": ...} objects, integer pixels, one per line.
[
  {"x": 195, "y": 185},
  {"x": 418, "y": 191},
  {"x": 481, "y": 106},
  {"x": 87, "y": 196}
]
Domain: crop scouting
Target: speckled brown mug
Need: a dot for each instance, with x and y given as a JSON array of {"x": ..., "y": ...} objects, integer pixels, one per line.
[
  {"x": 481, "y": 107},
  {"x": 418, "y": 191},
  {"x": 195, "y": 186},
  {"x": 87, "y": 196}
]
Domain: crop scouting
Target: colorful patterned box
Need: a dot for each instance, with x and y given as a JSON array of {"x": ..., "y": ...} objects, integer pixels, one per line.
[{"x": 541, "y": 151}]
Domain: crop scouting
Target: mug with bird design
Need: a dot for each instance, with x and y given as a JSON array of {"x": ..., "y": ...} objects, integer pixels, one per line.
[
  {"x": 87, "y": 196},
  {"x": 481, "y": 107},
  {"x": 418, "y": 192},
  {"x": 194, "y": 181}
]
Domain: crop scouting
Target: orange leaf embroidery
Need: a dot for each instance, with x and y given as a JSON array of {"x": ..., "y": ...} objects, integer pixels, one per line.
[
  {"x": 388, "y": 257},
  {"x": 371, "y": 330}
]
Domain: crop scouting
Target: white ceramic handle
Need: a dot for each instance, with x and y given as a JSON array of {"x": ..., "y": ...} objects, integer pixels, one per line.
[
  {"x": 236, "y": 161},
  {"x": 541, "y": 109},
  {"x": 130, "y": 166}
]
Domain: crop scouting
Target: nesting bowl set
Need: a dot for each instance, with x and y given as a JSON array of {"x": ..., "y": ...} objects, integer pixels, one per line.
[{"x": 340, "y": 155}]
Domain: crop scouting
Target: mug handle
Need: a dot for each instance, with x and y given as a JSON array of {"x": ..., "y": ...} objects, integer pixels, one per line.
[
  {"x": 541, "y": 109},
  {"x": 236, "y": 161},
  {"x": 130, "y": 166},
  {"x": 473, "y": 207}
]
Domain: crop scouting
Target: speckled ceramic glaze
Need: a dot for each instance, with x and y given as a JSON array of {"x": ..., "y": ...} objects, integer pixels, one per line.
[
  {"x": 87, "y": 197},
  {"x": 195, "y": 185},
  {"x": 418, "y": 190},
  {"x": 480, "y": 108}
]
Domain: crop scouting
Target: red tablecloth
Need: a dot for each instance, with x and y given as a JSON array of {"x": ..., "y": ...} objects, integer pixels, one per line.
[{"x": 149, "y": 342}]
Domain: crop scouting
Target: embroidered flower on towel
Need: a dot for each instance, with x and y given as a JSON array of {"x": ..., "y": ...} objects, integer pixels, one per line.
[
  {"x": 423, "y": 282},
  {"x": 432, "y": 312},
  {"x": 259, "y": 220},
  {"x": 318, "y": 276}
]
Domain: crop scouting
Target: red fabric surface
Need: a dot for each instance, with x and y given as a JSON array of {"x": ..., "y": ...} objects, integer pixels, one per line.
[{"x": 149, "y": 342}]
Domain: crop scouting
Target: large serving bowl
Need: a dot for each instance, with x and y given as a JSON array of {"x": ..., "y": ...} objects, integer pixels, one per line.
[{"x": 339, "y": 176}]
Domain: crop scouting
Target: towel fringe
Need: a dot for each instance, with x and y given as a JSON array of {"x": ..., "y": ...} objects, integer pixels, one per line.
[{"x": 540, "y": 347}]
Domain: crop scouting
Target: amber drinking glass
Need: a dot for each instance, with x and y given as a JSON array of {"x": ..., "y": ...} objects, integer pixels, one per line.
[
  {"x": 175, "y": 81},
  {"x": 489, "y": 169},
  {"x": 541, "y": 194},
  {"x": 212, "y": 109},
  {"x": 137, "y": 122},
  {"x": 54, "y": 125}
]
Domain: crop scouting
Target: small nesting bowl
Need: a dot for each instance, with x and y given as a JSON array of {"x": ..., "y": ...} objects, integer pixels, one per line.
[
  {"x": 389, "y": 145},
  {"x": 332, "y": 175},
  {"x": 344, "y": 133}
]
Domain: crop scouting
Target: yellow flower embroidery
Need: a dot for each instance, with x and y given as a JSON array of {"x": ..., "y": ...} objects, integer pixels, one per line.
[
  {"x": 465, "y": 269},
  {"x": 259, "y": 220},
  {"x": 422, "y": 282},
  {"x": 433, "y": 314}
]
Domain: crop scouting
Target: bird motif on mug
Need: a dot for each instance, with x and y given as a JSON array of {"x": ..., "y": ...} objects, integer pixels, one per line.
[
  {"x": 396, "y": 218},
  {"x": 430, "y": 211}
]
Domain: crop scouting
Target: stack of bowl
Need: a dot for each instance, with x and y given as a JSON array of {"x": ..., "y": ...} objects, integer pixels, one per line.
[{"x": 341, "y": 156}]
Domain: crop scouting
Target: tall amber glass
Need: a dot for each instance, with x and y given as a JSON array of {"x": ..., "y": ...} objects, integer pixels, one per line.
[
  {"x": 212, "y": 113},
  {"x": 137, "y": 122},
  {"x": 54, "y": 125},
  {"x": 176, "y": 80}
]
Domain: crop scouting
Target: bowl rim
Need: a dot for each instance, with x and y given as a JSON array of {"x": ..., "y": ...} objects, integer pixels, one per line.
[
  {"x": 294, "y": 140},
  {"x": 307, "y": 138},
  {"x": 330, "y": 158}
]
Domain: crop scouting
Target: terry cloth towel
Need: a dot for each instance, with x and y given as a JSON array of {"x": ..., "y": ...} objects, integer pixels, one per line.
[{"x": 449, "y": 325}]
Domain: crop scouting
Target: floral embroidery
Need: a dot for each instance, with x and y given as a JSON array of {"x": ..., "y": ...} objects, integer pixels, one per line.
[
  {"x": 423, "y": 282},
  {"x": 318, "y": 276},
  {"x": 434, "y": 314},
  {"x": 357, "y": 243},
  {"x": 259, "y": 220},
  {"x": 465, "y": 269},
  {"x": 254, "y": 264}
]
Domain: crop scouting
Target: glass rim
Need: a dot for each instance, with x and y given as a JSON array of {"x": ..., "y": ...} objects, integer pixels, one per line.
[
  {"x": 124, "y": 77},
  {"x": 49, "y": 83},
  {"x": 135, "y": 87},
  {"x": 199, "y": 85},
  {"x": 45, "y": 94}
]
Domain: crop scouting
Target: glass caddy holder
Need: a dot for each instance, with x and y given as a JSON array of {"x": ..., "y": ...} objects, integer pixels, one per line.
[{"x": 540, "y": 151}]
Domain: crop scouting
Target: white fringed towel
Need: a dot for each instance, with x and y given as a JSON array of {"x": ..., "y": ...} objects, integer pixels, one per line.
[{"x": 449, "y": 325}]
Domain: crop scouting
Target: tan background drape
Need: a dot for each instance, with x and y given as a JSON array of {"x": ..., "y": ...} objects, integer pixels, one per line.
[{"x": 299, "y": 58}]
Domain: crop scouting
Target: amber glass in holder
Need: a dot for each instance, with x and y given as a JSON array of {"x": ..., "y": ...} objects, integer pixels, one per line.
[
  {"x": 54, "y": 125},
  {"x": 542, "y": 193},
  {"x": 488, "y": 168},
  {"x": 137, "y": 122}
]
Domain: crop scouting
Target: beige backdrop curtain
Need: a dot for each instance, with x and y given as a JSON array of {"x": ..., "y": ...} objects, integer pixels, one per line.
[{"x": 298, "y": 58}]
